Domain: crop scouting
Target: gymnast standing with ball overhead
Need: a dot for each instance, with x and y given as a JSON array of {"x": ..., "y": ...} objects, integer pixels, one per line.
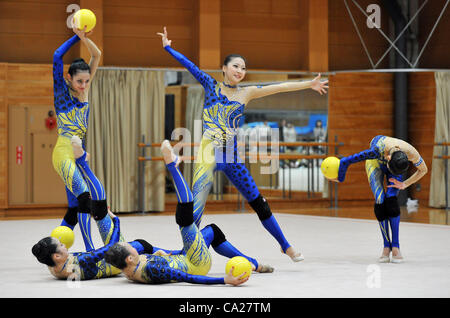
[
  {"x": 223, "y": 107},
  {"x": 85, "y": 193}
]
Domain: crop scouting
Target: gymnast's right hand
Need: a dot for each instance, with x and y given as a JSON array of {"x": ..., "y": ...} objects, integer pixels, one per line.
[
  {"x": 165, "y": 40},
  {"x": 112, "y": 215},
  {"x": 235, "y": 281}
]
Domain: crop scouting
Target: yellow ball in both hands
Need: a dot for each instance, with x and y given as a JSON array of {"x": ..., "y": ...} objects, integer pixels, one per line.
[
  {"x": 64, "y": 234},
  {"x": 330, "y": 167},
  {"x": 241, "y": 265},
  {"x": 84, "y": 18}
]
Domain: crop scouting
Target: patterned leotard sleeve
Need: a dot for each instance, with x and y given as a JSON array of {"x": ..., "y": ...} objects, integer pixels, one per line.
[
  {"x": 158, "y": 271},
  {"x": 206, "y": 80},
  {"x": 371, "y": 153},
  {"x": 59, "y": 85},
  {"x": 87, "y": 261}
]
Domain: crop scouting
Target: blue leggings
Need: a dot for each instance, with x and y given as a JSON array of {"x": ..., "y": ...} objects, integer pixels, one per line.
[
  {"x": 190, "y": 234},
  {"x": 211, "y": 159},
  {"x": 377, "y": 171},
  {"x": 97, "y": 192}
]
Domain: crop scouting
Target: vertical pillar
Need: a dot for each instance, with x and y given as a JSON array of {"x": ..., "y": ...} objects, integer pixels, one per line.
[
  {"x": 318, "y": 35},
  {"x": 3, "y": 139},
  {"x": 208, "y": 34}
]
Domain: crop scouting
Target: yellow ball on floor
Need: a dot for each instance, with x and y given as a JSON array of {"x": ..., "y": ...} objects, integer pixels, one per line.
[
  {"x": 241, "y": 265},
  {"x": 330, "y": 167},
  {"x": 84, "y": 17},
  {"x": 64, "y": 234}
]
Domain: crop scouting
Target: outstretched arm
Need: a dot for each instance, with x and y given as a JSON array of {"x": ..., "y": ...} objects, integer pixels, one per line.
[
  {"x": 371, "y": 153},
  {"x": 181, "y": 276},
  {"x": 261, "y": 91},
  {"x": 199, "y": 75}
]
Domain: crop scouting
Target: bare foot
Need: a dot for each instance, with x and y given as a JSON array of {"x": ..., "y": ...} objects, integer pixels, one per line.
[{"x": 168, "y": 154}]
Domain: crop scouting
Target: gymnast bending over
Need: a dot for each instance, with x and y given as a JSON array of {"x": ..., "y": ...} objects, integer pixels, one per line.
[{"x": 387, "y": 158}]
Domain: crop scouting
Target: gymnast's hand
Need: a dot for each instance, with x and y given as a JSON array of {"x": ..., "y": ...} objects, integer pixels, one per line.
[
  {"x": 319, "y": 86},
  {"x": 161, "y": 253},
  {"x": 82, "y": 34},
  {"x": 235, "y": 281},
  {"x": 112, "y": 215},
  {"x": 397, "y": 184},
  {"x": 165, "y": 40}
]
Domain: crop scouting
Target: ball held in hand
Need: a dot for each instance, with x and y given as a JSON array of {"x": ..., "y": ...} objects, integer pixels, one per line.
[
  {"x": 330, "y": 167},
  {"x": 84, "y": 18},
  {"x": 241, "y": 265}
]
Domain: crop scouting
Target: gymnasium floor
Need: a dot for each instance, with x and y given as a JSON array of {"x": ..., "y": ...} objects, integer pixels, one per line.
[{"x": 341, "y": 260}]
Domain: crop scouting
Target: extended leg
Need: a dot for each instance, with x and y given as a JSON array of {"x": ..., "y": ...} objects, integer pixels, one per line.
[
  {"x": 214, "y": 236},
  {"x": 98, "y": 203},
  {"x": 194, "y": 245},
  {"x": 64, "y": 164},
  {"x": 243, "y": 181},
  {"x": 70, "y": 218},
  {"x": 203, "y": 179}
]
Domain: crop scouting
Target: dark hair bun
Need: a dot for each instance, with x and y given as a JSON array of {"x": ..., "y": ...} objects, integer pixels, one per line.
[
  {"x": 399, "y": 163},
  {"x": 78, "y": 60},
  {"x": 43, "y": 251},
  {"x": 36, "y": 250},
  {"x": 78, "y": 65}
]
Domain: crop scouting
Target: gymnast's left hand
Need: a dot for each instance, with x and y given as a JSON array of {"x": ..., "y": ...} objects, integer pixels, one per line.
[
  {"x": 397, "y": 184},
  {"x": 235, "y": 281},
  {"x": 319, "y": 86},
  {"x": 112, "y": 215},
  {"x": 165, "y": 40}
]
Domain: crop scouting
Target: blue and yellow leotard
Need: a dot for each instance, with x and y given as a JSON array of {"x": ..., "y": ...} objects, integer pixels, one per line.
[
  {"x": 72, "y": 118},
  {"x": 386, "y": 206},
  {"x": 193, "y": 262},
  {"x": 376, "y": 168},
  {"x": 221, "y": 120}
]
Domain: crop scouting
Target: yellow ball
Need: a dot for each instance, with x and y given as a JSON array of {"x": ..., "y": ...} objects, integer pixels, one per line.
[
  {"x": 330, "y": 167},
  {"x": 64, "y": 234},
  {"x": 241, "y": 265},
  {"x": 84, "y": 17}
]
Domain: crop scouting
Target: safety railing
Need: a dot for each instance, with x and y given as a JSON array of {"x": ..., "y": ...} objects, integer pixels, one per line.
[{"x": 310, "y": 156}]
